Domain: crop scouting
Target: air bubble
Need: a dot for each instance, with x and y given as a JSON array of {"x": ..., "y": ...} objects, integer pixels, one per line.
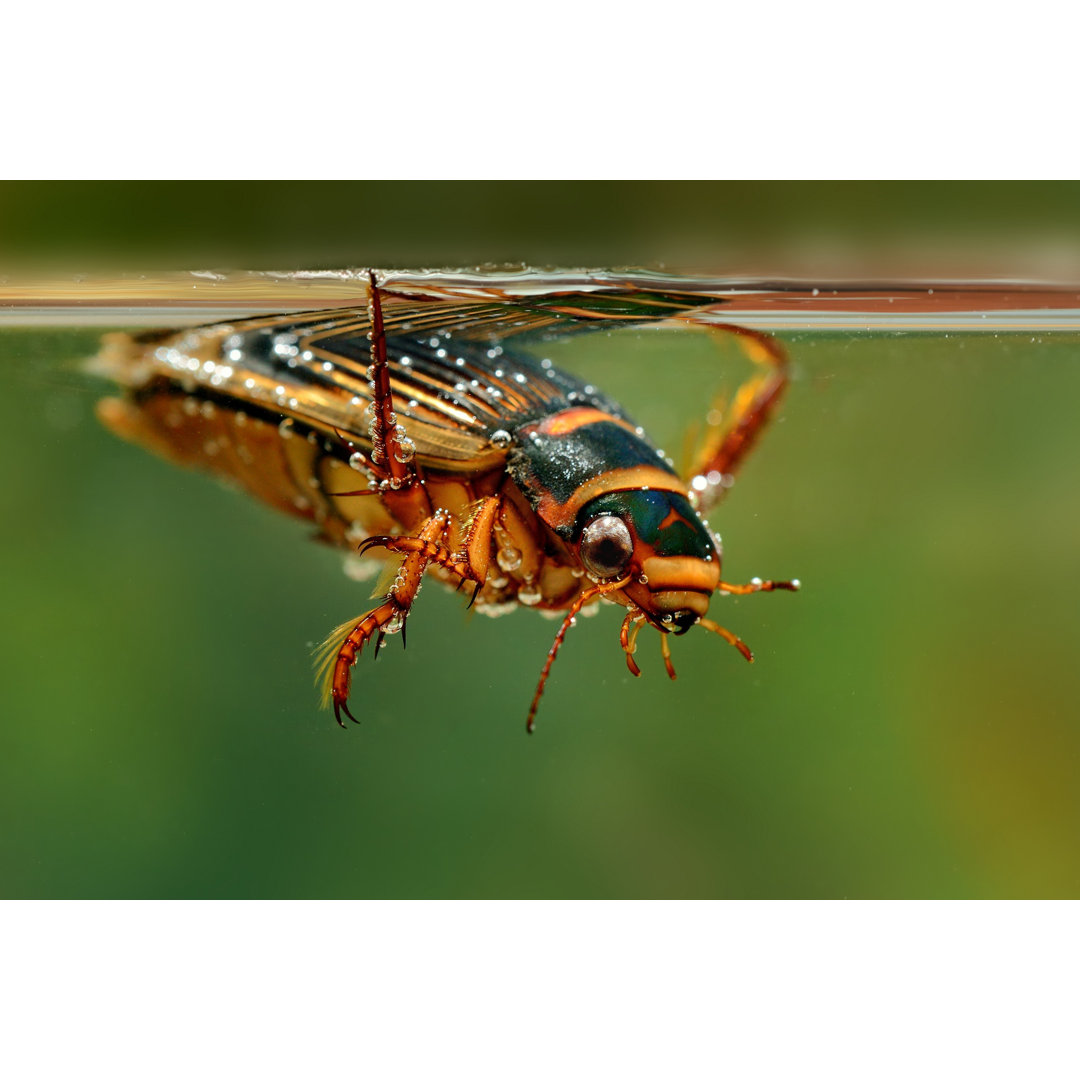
[
  {"x": 356, "y": 461},
  {"x": 529, "y": 594},
  {"x": 501, "y": 439},
  {"x": 508, "y": 558}
]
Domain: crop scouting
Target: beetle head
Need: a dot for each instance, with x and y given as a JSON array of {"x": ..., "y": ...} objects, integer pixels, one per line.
[{"x": 658, "y": 540}]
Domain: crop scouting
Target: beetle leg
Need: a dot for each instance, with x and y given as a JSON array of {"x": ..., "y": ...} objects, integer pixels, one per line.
[
  {"x": 728, "y": 636},
  {"x": 582, "y": 599},
  {"x": 390, "y": 461},
  {"x": 391, "y": 450},
  {"x": 665, "y": 650},
  {"x": 727, "y": 443},
  {"x": 631, "y": 625},
  {"x": 347, "y": 642},
  {"x": 757, "y": 585}
]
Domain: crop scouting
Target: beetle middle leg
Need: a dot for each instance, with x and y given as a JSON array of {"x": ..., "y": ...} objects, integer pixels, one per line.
[
  {"x": 346, "y": 643},
  {"x": 469, "y": 563}
]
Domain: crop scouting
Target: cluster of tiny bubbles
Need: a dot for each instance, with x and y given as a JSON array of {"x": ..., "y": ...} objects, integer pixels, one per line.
[
  {"x": 286, "y": 346},
  {"x": 529, "y": 594},
  {"x": 508, "y": 558},
  {"x": 355, "y": 533},
  {"x": 358, "y": 568},
  {"x": 494, "y": 610},
  {"x": 500, "y": 439}
]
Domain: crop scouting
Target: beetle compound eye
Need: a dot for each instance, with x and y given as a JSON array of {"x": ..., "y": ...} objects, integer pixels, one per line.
[{"x": 606, "y": 546}]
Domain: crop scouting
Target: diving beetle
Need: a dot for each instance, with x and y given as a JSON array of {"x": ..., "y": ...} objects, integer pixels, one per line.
[{"x": 425, "y": 427}]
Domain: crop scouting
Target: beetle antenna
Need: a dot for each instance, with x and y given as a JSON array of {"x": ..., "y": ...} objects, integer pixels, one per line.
[
  {"x": 575, "y": 607},
  {"x": 728, "y": 636}
]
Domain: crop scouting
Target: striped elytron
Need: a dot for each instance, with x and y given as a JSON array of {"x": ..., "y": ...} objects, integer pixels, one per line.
[{"x": 425, "y": 427}]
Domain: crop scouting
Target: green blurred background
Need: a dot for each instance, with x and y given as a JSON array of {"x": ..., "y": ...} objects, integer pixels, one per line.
[{"x": 910, "y": 726}]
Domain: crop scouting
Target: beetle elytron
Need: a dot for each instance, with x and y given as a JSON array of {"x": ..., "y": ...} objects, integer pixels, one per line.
[{"x": 425, "y": 428}]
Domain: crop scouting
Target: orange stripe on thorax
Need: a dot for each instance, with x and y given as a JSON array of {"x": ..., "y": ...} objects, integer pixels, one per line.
[{"x": 562, "y": 423}]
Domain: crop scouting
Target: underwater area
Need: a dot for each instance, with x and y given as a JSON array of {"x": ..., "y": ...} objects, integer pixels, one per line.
[{"x": 909, "y": 729}]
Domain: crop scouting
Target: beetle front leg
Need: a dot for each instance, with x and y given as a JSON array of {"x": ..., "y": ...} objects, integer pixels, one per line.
[{"x": 757, "y": 585}]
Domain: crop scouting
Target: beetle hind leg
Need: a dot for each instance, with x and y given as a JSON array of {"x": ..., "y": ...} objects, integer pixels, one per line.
[
  {"x": 729, "y": 439},
  {"x": 344, "y": 645}
]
